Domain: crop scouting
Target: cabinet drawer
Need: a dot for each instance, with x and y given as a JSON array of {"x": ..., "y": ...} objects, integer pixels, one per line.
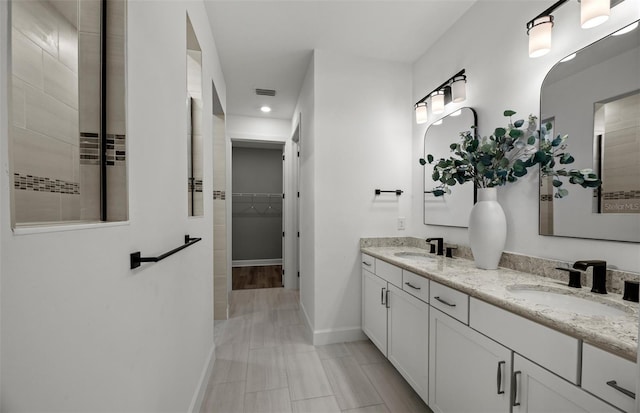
[
  {"x": 415, "y": 285},
  {"x": 600, "y": 368},
  {"x": 369, "y": 263},
  {"x": 449, "y": 301},
  {"x": 389, "y": 272},
  {"x": 551, "y": 349}
]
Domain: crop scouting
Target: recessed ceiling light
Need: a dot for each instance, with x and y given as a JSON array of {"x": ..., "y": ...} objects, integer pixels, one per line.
[
  {"x": 265, "y": 109},
  {"x": 570, "y": 57},
  {"x": 627, "y": 29}
]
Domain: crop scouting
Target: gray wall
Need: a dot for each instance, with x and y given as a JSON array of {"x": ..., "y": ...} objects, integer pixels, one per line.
[{"x": 257, "y": 232}]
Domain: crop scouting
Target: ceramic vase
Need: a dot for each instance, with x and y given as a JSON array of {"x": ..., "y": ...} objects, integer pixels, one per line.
[{"x": 487, "y": 229}]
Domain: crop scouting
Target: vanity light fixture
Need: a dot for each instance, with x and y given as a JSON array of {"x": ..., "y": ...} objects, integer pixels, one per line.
[
  {"x": 421, "y": 112},
  {"x": 592, "y": 14},
  {"x": 437, "y": 102},
  {"x": 453, "y": 90}
]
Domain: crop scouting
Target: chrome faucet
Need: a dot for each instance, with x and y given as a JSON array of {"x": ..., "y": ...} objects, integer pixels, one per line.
[
  {"x": 440, "y": 244},
  {"x": 599, "y": 284}
]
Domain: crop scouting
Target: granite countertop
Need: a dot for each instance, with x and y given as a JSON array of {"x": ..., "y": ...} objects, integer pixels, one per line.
[{"x": 617, "y": 334}]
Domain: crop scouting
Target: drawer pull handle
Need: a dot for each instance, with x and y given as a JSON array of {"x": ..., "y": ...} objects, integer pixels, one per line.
[
  {"x": 444, "y": 302},
  {"x": 387, "y": 299},
  {"x": 514, "y": 389},
  {"x": 366, "y": 263},
  {"x": 382, "y": 296},
  {"x": 500, "y": 364},
  {"x": 622, "y": 390},
  {"x": 412, "y": 286}
]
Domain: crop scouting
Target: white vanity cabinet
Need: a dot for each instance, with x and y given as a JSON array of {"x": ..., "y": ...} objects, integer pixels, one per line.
[
  {"x": 537, "y": 390},
  {"x": 468, "y": 372},
  {"x": 396, "y": 322},
  {"x": 374, "y": 310},
  {"x": 408, "y": 338}
]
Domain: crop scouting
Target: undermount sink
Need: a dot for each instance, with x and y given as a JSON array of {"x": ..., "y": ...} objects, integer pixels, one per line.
[
  {"x": 415, "y": 256},
  {"x": 565, "y": 301}
]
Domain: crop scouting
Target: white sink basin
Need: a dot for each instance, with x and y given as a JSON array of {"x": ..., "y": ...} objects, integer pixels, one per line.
[
  {"x": 415, "y": 256},
  {"x": 565, "y": 301}
]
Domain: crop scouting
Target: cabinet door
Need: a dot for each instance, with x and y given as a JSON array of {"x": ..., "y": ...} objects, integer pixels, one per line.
[
  {"x": 408, "y": 338},
  {"x": 374, "y": 309},
  {"x": 467, "y": 371},
  {"x": 537, "y": 390}
]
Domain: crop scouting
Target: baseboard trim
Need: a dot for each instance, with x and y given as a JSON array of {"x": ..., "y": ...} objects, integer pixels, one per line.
[
  {"x": 338, "y": 335},
  {"x": 256, "y": 263},
  {"x": 198, "y": 396},
  {"x": 307, "y": 322}
]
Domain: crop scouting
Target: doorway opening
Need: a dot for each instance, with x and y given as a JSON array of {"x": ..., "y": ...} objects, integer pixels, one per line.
[{"x": 257, "y": 214}]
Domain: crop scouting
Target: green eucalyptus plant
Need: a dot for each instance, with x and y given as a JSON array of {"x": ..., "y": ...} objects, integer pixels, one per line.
[{"x": 505, "y": 156}]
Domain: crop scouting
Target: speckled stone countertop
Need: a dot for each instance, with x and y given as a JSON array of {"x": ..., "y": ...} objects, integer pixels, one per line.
[{"x": 617, "y": 334}]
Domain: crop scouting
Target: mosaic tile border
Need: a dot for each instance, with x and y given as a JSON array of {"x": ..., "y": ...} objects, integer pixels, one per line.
[
  {"x": 197, "y": 183},
  {"x": 90, "y": 149},
  {"x": 44, "y": 184},
  {"x": 219, "y": 195},
  {"x": 621, "y": 195}
]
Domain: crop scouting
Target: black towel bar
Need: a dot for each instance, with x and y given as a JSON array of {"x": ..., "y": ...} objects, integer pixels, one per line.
[
  {"x": 396, "y": 191},
  {"x": 136, "y": 259}
]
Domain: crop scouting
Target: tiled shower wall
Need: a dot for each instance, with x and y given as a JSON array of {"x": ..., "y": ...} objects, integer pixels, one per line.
[{"x": 56, "y": 111}]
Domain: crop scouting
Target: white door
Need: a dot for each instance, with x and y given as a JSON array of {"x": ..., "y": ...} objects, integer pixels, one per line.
[
  {"x": 374, "y": 309},
  {"x": 408, "y": 339},
  {"x": 468, "y": 372},
  {"x": 536, "y": 390}
]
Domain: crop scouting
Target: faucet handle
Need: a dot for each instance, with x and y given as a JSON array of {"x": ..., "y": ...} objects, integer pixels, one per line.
[
  {"x": 574, "y": 277},
  {"x": 449, "y": 249},
  {"x": 583, "y": 264}
]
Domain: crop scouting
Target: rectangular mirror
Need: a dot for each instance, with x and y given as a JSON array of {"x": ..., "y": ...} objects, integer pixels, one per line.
[
  {"x": 68, "y": 111},
  {"x": 451, "y": 209},
  {"x": 595, "y": 99},
  {"x": 194, "y": 123}
]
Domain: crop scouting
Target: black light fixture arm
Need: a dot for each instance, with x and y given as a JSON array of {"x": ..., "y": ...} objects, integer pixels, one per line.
[
  {"x": 444, "y": 85},
  {"x": 547, "y": 12}
]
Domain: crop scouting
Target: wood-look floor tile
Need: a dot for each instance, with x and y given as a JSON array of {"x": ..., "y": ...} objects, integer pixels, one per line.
[
  {"x": 331, "y": 351},
  {"x": 307, "y": 378},
  {"x": 379, "y": 408},
  {"x": 224, "y": 398},
  {"x": 398, "y": 396},
  {"x": 349, "y": 383},
  {"x": 263, "y": 334},
  {"x": 236, "y": 330},
  {"x": 365, "y": 352},
  {"x": 231, "y": 363},
  {"x": 288, "y": 316},
  {"x": 293, "y": 339},
  {"x": 326, "y": 404},
  {"x": 270, "y": 401},
  {"x": 266, "y": 369}
]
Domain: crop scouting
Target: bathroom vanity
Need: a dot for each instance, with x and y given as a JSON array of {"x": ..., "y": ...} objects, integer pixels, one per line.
[{"x": 497, "y": 340}]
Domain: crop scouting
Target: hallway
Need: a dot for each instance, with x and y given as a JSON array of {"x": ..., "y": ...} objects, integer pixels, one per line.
[{"x": 264, "y": 363}]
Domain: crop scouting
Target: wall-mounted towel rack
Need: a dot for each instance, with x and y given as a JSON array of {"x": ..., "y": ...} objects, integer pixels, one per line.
[
  {"x": 396, "y": 191},
  {"x": 136, "y": 259}
]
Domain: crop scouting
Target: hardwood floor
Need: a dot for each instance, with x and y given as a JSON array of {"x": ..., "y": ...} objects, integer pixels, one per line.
[
  {"x": 266, "y": 363},
  {"x": 244, "y": 278}
]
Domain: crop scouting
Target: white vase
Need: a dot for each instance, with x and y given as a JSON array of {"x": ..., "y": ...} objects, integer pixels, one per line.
[{"x": 487, "y": 229}]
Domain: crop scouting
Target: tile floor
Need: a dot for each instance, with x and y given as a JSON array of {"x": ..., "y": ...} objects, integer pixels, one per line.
[{"x": 265, "y": 363}]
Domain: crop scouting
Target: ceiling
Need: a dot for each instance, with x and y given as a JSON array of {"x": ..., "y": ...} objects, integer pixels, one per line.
[{"x": 268, "y": 44}]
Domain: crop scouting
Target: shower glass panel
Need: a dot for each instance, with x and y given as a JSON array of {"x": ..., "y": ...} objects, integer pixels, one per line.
[{"x": 68, "y": 128}]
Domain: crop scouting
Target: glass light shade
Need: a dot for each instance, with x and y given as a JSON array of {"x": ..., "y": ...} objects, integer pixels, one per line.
[
  {"x": 540, "y": 36},
  {"x": 437, "y": 102},
  {"x": 459, "y": 89},
  {"x": 594, "y": 12},
  {"x": 421, "y": 113}
]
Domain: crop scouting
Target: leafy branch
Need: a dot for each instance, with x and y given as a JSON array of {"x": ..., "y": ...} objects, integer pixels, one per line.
[{"x": 505, "y": 156}]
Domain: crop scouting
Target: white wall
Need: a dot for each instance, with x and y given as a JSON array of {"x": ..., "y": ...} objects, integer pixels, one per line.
[
  {"x": 502, "y": 76},
  {"x": 80, "y": 330},
  {"x": 361, "y": 142},
  {"x": 249, "y": 128},
  {"x": 305, "y": 115}
]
